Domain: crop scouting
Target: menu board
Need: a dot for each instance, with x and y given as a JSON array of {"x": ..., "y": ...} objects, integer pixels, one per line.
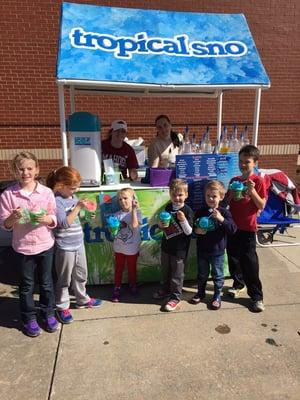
[{"x": 197, "y": 169}]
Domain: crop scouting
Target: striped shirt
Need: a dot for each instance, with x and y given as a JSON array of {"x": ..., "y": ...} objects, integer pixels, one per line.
[{"x": 68, "y": 237}]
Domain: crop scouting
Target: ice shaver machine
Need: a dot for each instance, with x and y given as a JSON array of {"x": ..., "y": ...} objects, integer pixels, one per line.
[{"x": 85, "y": 147}]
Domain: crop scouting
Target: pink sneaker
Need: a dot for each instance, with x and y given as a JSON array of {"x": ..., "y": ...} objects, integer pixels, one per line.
[{"x": 171, "y": 305}]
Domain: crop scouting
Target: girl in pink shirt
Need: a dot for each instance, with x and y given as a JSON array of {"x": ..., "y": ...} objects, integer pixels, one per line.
[{"x": 28, "y": 208}]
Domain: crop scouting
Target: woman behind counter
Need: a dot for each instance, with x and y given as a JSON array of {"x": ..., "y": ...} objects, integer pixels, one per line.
[
  {"x": 163, "y": 149},
  {"x": 119, "y": 151}
]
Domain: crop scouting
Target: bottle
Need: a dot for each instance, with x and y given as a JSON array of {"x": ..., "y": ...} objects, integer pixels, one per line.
[
  {"x": 186, "y": 147},
  {"x": 193, "y": 144},
  {"x": 207, "y": 147},
  {"x": 244, "y": 139},
  {"x": 216, "y": 149},
  {"x": 224, "y": 144},
  {"x": 234, "y": 144}
]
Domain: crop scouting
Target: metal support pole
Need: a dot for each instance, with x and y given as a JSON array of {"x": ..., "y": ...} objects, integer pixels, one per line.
[
  {"x": 63, "y": 128},
  {"x": 72, "y": 99},
  {"x": 256, "y": 116},
  {"x": 219, "y": 121}
]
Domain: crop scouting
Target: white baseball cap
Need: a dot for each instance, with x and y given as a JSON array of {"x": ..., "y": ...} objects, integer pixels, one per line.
[{"x": 119, "y": 124}]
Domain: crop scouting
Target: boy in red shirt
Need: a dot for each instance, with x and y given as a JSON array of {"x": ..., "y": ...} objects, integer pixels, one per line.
[{"x": 241, "y": 247}]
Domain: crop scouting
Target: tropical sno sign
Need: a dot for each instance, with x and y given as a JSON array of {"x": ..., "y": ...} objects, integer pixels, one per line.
[{"x": 112, "y": 44}]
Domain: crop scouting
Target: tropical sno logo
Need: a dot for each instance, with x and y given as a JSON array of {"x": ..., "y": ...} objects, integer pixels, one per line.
[{"x": 124, "y": 47}]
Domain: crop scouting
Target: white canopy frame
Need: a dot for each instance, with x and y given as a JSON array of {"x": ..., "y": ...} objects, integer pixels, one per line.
[{"x": 146, "y": 90}]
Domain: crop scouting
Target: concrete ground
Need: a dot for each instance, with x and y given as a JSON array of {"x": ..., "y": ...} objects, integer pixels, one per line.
[{"x": 134, "y": 351}]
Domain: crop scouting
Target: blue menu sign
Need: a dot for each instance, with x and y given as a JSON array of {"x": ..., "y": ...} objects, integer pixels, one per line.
[{"x": 197, "y": 169}]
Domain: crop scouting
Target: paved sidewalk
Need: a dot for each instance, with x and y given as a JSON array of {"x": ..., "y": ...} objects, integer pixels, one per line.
[{"x": 134, "y": 351}]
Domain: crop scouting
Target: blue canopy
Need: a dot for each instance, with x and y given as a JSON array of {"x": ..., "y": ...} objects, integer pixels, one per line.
[
  {"x": 122, "y": 46},
  {"x": 129, "y": 51}
]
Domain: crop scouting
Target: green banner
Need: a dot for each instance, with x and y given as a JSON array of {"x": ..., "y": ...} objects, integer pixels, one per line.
[{"x": 98, "y": 241}]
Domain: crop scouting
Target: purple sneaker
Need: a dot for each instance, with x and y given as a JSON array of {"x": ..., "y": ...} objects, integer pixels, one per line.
[
  {"x": 116, "y": 295},
  {"x": 32, "y": 328},
  {"x": 51, "y": 324}
]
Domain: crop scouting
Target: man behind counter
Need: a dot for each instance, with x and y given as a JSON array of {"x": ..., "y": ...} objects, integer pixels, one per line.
[{"x": 119, "y": 151}]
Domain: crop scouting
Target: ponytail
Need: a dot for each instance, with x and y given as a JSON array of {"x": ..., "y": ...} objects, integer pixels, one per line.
[{"x": 63, "y": 176}]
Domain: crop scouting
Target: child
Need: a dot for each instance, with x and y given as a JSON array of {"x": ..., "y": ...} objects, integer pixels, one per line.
[
  {"x": 70, "y": 258},
  {"x": 241, "y": 248},
  {"x": 127, "y": 241},
  {"x": 175, "y": 245},
  {"x": 33, "y": 239},
  {"x": 211, "y": 244}
]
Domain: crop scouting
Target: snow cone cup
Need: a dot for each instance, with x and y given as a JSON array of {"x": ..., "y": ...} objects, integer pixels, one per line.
[
  {"x": 205, "y": 223},
  {"x": 113, "y": 225},
  {"x": 90, "y": 208},
  {"x": 35, "y": 214},
  {"x": 165, "y": 218},
  {"x": 238, "y": 188},
  {"x": 238, "y": 194}
]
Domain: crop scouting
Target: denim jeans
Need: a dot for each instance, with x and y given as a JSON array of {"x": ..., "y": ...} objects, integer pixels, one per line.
[
  {"x": 206, "y": 263},
  {"x": 42, "y": 263}
]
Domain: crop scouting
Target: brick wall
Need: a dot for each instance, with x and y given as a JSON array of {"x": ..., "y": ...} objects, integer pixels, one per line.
[{"x": 29, "y": 115}]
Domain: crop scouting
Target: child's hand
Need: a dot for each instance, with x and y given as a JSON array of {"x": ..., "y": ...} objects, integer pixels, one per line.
[
  {"x": 250, "y": 186},
  {"x": 161, "y": 225},
  {"x": 135, "y": 203},
  {"x": 82, "y": 203},
  {"x": 200, "y": 231},
  {"x": 14, "y": 217},
  {"x": 180, "y": 216},
  {"x": 44, "y": 219},
  {"x": 217, "y": 215}
]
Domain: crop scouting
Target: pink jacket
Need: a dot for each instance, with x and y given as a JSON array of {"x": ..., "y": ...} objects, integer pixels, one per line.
[{"x": 27, "y": 238}]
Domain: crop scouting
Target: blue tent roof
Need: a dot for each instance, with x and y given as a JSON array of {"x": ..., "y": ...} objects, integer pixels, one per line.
[{"x": 151, "y": 47}]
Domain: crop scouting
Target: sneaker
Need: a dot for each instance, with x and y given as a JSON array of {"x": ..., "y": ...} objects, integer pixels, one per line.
[
  {"x": 64, "y": 316},
  {"x": 116, "y": 295},
  {"x": 32, "y": 328},
  {"x": 160, "y": 294},
  {"x": 171, "y": 305},
  {"x": 92, "y": 303},
  {"x": 236, "y": 291},
  {"x": 51, "y": 324},
  {"x": 257, "y": 306},
  {"x": 196, "y": 299},
  {"x": 216, "y": 303}
]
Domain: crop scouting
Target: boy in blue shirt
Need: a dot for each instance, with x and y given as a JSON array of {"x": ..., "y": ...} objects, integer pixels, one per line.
[{"x": 211, "y": 242}]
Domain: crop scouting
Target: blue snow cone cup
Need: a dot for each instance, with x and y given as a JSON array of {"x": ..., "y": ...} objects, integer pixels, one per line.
[
  {"x": 113, "y": 225},
  {"x": 206, "y": 223},
  {"x": 238, "y": 188},
  {"x": 165, "y": 218}
]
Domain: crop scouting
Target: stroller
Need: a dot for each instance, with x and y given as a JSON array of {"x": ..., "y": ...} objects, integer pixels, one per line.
[{"x": 282, "y": 211}]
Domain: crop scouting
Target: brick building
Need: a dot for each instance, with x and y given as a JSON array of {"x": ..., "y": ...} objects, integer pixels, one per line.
[{"x": 29, "y": 114}]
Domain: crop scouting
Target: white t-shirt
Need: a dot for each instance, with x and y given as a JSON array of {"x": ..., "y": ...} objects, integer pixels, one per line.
[{"x": 128, "y": 238}]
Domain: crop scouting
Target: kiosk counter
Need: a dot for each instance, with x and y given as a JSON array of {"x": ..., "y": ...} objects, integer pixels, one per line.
[{"x": 98, "y": 239}]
